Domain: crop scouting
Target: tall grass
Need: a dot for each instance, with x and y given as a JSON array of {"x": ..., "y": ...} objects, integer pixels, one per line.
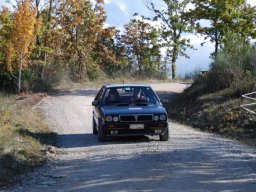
[{"x": 22, "y": 134}]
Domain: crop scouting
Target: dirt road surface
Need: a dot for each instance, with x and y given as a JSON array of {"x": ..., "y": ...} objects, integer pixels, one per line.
[{"x": 189, "y": 161}]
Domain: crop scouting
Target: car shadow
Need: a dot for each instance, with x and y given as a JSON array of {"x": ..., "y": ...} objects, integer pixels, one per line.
[
  {"x": 89, "y": 139},
  {"x": 81, "y": 140}
]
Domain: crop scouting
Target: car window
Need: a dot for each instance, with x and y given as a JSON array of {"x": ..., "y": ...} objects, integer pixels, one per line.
[
  {"x": 99, "y": 95},
  {"x": 121, "y": 96}
]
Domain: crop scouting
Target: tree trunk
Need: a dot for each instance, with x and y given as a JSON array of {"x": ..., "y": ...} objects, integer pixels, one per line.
[
  {"x": 165, "y": 68},
  {"x": 80, "y": 65},
  {"x": 139, "y": 65},
  {"x": 216, "y": 39},
  {"x": 140, "y": 71},
  {"x": 46, "y": 37},
  {"x": 174, "y": 59},
  {"x": 19, "y": 78},
  {"x": 173, "y": 69},
  {"x": 216, "y": 44},
  {"x": 43, "y": 70}
]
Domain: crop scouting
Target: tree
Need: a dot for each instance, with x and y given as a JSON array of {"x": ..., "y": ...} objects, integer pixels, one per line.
[
  {"x": 106, "y": 51},
  {"x": 5, "y": 34},
  {"x": 23, "y": 36},
  {"x": 139, "y": 39},
  {"x": 174, "y": 25},
  {"x": 80, "y": 22},
  {"x": 225, "y": 17},
  {"x": 41, "y": 50}
]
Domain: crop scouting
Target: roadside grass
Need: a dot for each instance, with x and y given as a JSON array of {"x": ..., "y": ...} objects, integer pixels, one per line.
[
  {"x": 23, "y": 136},
  {"x": 218, "y": 112}
]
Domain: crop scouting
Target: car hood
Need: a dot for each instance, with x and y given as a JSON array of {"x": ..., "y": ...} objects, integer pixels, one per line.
[{"x": 111, "y": 110}]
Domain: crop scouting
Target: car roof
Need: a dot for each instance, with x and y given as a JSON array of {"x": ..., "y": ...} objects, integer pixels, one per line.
[{"x": 125, "y": 85}]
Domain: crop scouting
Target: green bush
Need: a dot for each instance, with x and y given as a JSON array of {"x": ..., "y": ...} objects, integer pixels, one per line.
[
  {"x": 30, "y": 81},
  {"x": 252, "y": 61},
  {"x": 7, "y": 82},
  {"x": 92, "y": 72},
  {"x": 236, "y": 61}
]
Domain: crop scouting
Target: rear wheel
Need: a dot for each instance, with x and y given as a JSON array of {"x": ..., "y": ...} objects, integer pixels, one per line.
[
  {"x": 102, "y": 136},
  {"x": 165, "y": 136},
  {"x": 94, "y": 129}
]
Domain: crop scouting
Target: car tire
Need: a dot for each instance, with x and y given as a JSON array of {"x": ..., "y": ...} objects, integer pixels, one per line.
[
  {"x": 102, "y": 136},
  {"x": 94, "y": 128},
  {"x": 165, "y": 136}
]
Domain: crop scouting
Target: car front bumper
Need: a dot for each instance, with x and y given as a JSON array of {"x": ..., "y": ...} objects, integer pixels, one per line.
[{"x": 134, "y": 129}]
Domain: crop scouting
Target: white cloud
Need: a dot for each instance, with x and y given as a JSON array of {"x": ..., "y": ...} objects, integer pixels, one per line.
[
  {"x": 120, "y": 28},
  {"x": 190, "y": 6},
  {"x": 122, "y": 6},
  {"x": 107, "y": 1},
  {"x": 252, "y": 2},
  {"x": 93, "y": 1},
  {"x": 195, "y": 40},
  {"x": 106, "y": 25},
  {"x": 156, "y": 24}
]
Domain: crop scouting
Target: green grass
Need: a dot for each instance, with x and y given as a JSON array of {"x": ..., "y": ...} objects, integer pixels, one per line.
[{"x": 23, "y": 137}]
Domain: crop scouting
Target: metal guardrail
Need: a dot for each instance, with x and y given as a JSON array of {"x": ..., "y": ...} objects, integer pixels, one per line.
[{"x": 249, "y": 97}]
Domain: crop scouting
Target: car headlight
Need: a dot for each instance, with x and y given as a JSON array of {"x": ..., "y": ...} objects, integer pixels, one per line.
[
  {"x": 156, "y": 117},
  {"x": 115, "y": 119},
  {"x": 163, "y": 117},
  {"x": 109, "y": 118}
]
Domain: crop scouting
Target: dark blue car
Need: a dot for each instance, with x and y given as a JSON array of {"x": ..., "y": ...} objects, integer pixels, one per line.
[{"x": 128, "y": 110}]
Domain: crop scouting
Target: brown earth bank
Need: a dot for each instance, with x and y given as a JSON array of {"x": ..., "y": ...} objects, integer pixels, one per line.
[{"x": 219, "y": 112}]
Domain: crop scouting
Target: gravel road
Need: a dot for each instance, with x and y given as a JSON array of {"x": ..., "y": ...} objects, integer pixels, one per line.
[{"x": 189, "y": 161}]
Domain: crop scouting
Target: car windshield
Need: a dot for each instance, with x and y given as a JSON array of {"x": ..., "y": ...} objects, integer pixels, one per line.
[{"x": 126, "y": 96}]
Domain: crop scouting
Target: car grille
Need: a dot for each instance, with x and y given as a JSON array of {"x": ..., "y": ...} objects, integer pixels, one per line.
[
  {"x": 144, "y": 118},
  {"x": 135, "y": 118},
  {"x": 127, "y": 118}
]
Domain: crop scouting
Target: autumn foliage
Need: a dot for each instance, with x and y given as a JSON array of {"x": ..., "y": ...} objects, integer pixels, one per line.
[
  {"x": 44, "y": 42},
  {"x": 22, "y": 38}
]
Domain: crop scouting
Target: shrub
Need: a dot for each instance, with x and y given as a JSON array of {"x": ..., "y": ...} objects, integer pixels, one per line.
[
  {"x": 92, "y": 72},
  {"x": 7, "y": 82},
  {"x": 234, "y": 66}
]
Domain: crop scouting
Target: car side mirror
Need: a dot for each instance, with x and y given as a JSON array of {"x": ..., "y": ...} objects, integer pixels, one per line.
[{"x": 95, "y": 103}]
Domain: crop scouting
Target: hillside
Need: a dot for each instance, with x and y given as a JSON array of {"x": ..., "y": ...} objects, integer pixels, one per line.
[{"x": 215, "y": 111}]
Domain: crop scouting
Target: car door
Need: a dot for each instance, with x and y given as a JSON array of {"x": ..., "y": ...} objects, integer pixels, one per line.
[{"x": 97, "y": 109}]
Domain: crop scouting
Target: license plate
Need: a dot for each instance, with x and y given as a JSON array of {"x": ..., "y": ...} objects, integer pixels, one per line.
[{"x": 137, "y": 126}]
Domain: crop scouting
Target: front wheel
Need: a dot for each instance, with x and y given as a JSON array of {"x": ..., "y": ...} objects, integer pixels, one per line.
[
  {"x": 94, "y": 129},
  {"x": 165, "y": 136},
  {"x": 102, "y": 136}
]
